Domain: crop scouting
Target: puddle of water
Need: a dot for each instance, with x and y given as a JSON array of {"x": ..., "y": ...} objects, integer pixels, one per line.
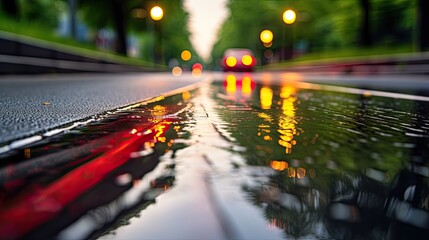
[{"x": 344, "y": 160}]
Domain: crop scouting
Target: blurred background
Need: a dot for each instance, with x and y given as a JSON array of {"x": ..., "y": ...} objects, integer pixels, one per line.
[{"x": 310, "y": 29}]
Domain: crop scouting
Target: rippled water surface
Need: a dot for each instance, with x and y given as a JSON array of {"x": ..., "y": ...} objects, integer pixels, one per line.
[
  {"x": 233, "y": 159},
  {"x": 346, "y": 165}
]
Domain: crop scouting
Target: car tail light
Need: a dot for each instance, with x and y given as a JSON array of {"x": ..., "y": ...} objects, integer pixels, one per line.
[
  {"x": 247, "y": 60},
  {"x": 231, "y": 61}
]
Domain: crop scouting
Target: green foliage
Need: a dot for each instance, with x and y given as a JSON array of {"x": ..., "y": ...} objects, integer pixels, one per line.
[
  {"x": 43, "y": 11},
  {"x": 172, "y": 29},
  {"x": 324, "y": 25}
]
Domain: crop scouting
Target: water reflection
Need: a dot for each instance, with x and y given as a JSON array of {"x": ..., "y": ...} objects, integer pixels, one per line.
[
  {"x": 82, "y": 181},
  {"x": 359, "y": 170}
]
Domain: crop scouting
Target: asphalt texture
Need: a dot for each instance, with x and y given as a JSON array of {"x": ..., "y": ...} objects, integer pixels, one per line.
[{"x": 32, "y": 104}]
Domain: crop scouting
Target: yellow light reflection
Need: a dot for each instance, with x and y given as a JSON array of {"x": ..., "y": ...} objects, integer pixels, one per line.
[
  {"x": 246, "y": 85},
  {"x": 27, "y": 153},
  {"x": 301, "y": 172},
  {"x": 279, "y": 165},
  {"x": 291, "y": 172},
  {"x": 231, "y": 83},
  {"x": 231, "y": 61},
  {"x": 268, "y": 138},
  {"x": 186, "y": 55},
  {"x": 177, "y": 71},
  {"x": 158, "y": 112},
  {"x": 287, "y": 121},
  {"x": 287, "y": 91},
  {"x": 266, "y": 96},
  {"x": 186, "y": 96}
]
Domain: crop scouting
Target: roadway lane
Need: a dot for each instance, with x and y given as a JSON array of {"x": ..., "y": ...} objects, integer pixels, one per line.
[{"x": 32, "y": 104}]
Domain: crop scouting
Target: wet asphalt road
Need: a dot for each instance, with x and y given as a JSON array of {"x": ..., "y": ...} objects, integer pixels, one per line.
[
  {"x": 34, "y": 104},
  {"x": 246, "y": 156}
]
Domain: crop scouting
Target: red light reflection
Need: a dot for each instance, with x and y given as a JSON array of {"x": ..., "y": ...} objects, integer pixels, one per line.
[{"x": 25, "y": 212}]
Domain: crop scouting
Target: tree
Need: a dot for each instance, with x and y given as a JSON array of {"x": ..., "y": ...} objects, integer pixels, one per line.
[
  {"x": 113, "y": 13},
  {"x": 10, "y": 7},
  {"x": 365, "y": 38},
  {"x": 422, "y": 25}
]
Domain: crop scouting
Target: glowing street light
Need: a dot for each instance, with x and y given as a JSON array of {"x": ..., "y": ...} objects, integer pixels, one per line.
[
  {"x": 289, "y": 16},
  {"x": 266, "y": 36},
  {"x": 156, "y": 13},
  {"x": 186, "y": 55}
]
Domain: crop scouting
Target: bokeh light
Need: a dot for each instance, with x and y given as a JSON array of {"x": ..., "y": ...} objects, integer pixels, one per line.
[
  {"x": 247, "y": 60},
  {"x": 196, "y": 72},
  {"x": 231, "y": 61},
  {"x": 156, "y": 13},
  {"x": 197, "y": 66},
  {"x": 186, "y": 55},
  {"x": 266, "y": 36},
  {"x": 177, "y": 71},
  {"x": 289, "y": 16}
]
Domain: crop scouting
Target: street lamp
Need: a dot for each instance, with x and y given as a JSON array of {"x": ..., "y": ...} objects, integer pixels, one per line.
[
  {"x": 266, "y": 36},
  {"x": 289, "y": 17},
  {"x": 156, "y": 13}
]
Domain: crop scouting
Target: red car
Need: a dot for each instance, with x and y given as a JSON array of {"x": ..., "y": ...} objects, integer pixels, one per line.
[{"x": 238, "y": 59}]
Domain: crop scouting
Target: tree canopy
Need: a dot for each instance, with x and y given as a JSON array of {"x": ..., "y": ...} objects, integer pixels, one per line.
[{"x": 320, "y": 25}]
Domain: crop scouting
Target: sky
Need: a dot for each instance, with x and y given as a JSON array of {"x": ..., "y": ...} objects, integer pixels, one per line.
[{"x": 205, "y": 19}]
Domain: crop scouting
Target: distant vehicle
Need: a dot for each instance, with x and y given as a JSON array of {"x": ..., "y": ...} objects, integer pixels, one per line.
[{"x": 238, "y": 59}]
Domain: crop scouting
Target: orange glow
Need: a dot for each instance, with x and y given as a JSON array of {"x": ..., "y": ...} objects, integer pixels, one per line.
[
  {"x": 246, "y": 85},
  {"x": 266, "y": 36},
  {"x": 186, "y": 96},
  {"x": 287, "y": 91},
  {"x": 267, "y": 45},
  {"x": 231, "y": 83},
  {"x": 27, "y": 153},
  {"x": 247, "y": 60},
  {"x": 158, "y": 111},
  {"x": 156, "y": 13},
  {"x": 231, "y": 61},
  {"x": 289, "y": 16},
  {"x": 196, "y": 72},
  {"x": 266, "y": 96},
  {"x": 287, "y": 121},
  {"x": 291, "y": 172},
  {"x": 268, "y": 138},
  {"x": 279, "y": 165},
  {"x": 301, "y": 172},
  {"x": 177, "y": 71},
  {"x": 186, "y": 55}
]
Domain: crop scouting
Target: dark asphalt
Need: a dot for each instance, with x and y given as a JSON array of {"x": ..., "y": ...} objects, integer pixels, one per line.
[{"x": 33, "y": 104}]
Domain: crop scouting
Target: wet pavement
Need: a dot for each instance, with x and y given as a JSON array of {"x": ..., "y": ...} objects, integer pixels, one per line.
[{"x": 244, "y": 156}]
